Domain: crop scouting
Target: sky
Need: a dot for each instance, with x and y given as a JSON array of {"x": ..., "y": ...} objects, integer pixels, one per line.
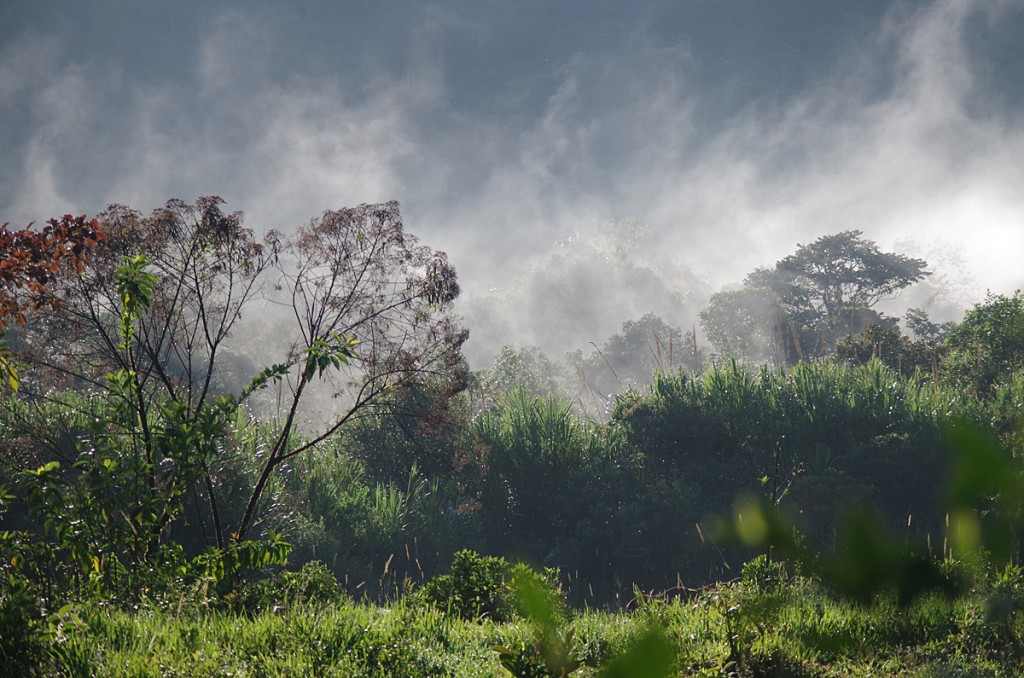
[{"x": 735, "y": 130}]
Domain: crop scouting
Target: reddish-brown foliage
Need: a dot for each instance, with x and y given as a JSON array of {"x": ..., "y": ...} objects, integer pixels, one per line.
[{"x": 31, "y": 259}]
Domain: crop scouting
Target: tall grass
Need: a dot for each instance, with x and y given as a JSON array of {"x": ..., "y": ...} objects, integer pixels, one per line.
[{"x": 792, "y": 628}]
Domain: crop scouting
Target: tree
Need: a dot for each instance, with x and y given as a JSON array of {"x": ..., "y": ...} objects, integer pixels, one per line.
[
  {"x": 144, "y": 326},
  {"x": 31, "y": 260},
  {"x": 746, "y": 324},
  {"x": 919, "y": 322},
  {"x": 372, "y": 304},
  {"x": 987, "y": 348},
  {"x": 949, "y": 290},
  {"x": 367, "y": 309},
  {"x": 828, "y": 288},
  {"x": 524, "y": 367},
  {"x": 630, "y": 358},
  {"x": 29, "y": 263},
  {"x": 896, "y": 351}
]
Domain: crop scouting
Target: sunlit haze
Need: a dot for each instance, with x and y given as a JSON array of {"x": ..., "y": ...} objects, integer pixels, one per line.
[{"x": 734, "y": 130}]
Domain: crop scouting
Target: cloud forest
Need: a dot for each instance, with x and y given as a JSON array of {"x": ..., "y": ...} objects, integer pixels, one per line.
[
  {"x": 467, "y": 338},
  {"x": 212, "y": 439}
]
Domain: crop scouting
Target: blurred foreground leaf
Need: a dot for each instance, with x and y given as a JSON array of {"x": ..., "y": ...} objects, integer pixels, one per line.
[{"x": 651, "y": 657}]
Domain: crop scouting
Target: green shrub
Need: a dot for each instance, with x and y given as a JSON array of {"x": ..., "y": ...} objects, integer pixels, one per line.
[
  {"x": 314, "y": 584},
  {"x": 24, "y": 632},
  {"x": 538, "y": 595},
  {"x": 552, "y": 651},
  {"x": 1006, "y": 597},
  {"x": 476, "y": 587},
  {"x": 763, "y": 574}
]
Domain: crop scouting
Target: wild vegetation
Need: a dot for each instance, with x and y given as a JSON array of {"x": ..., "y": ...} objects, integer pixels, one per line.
[{"x": 175, "y": 505}]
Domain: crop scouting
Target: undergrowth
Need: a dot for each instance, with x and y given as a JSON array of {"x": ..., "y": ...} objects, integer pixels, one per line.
[{"x": 789, "y": 627}]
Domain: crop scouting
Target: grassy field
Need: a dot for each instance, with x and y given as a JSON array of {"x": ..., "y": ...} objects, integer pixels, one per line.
[{"x": 745, "y": 629}]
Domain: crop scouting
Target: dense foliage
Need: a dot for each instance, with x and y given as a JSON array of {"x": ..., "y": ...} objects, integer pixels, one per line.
[{"x": 831, "y": 517}]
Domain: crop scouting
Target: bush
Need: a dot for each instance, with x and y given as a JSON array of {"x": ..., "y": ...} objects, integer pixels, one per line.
[
  {"x": 763, "y": 574},
  {"x": 489, "y": 587},
  {"x": 537, "y": 595},
  {"x": 476, "y": 587},
  {"x": 314, "y": 584},
  {"x": 24, "y": 633},
  {"x": 534, "y": 449}
]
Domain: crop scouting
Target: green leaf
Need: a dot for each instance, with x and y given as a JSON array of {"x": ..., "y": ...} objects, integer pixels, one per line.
[
  {"x": 331, "y": 350},
  {"x": 44, "y": 470},
  {"x": 262, "y": 380},
  {"x": 8, "y": 367},
  {"x": 651, "y": 657}
]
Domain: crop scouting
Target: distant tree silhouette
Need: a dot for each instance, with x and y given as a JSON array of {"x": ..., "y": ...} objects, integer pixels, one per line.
[{"x": 825, "y": 291}]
